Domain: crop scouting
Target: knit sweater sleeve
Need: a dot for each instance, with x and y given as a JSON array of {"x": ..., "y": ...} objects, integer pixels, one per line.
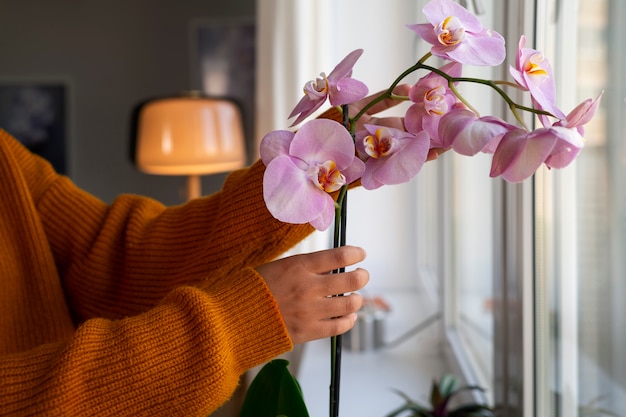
[
  {"x": 120, "y": 259},
  {"x": 169, "y": 309}
]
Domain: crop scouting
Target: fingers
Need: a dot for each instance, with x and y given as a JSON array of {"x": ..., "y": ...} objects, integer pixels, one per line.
[
  {"x": 332, "y": 259},
  {"x": 345, "y": 282},
  {"x": 330, "y": 317},
  {"x": 394, "y": 122},
  {"x": 399, "y": 90},
  {"x": 305, "y": 291},
  {"x": 434, "y": 153}
]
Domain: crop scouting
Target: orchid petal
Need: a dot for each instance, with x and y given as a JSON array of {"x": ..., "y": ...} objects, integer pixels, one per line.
[
  {"x": 274, "y": 144},
  {"x": 326, "y": 216},
  {"x": 305, "y": 107},
  {"x": 321, "y": 140},
  {"x": 467, "y": 134},
  {"x": 288, "y": 194},
  {"x": 486, "y": 50},
  {"x": 424, "y": 31},
  {"x": 567, "y": 148},
  {"x": 347, "y": 90},
  {"x": 520, "y": 154},
  {"x": 344, "y": 68},
  {"x": 583, "y": 113},
  {"x": 439, "y": 10},
  {"x": 354, "y": 171}
]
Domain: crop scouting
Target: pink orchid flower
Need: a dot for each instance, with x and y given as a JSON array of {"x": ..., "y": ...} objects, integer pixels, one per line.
[
  {"x": 533, "y": 73},
  {"x": 469, "y": 134},
  {"x": 392, "y": 156},
  {"x": 337, "y": 86},
  {"x": 432, "y": 99},
  {"x": 521, "y": 153},
  {"x": 458, "y": 35},
  {"x": 302, "y": 168},
  {"x": 572, "y": 141},
  {"x": 582, "y": 114}
]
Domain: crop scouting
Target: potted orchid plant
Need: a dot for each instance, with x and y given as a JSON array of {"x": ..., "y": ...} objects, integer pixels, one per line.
[{"x": 308, "y": 172}]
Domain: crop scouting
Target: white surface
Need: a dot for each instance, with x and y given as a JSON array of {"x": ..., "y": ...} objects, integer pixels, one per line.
[{"x": 369, "y": 378}]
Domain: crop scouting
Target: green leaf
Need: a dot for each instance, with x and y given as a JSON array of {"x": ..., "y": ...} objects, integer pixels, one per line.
[
  {"x": 418, "y": 410},
  {"x": 448, "y": 385},
  {"x": 435, "y": 395},
  {"x": 472, "y": 410},
  {"x": 274, "y": 392}
]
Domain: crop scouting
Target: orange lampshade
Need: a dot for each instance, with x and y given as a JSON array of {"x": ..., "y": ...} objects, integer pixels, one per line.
[{"x": 190, "y": 135}]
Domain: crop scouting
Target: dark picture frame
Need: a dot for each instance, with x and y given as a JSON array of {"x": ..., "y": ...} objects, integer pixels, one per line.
[
  {"x": 223, "y": 61},
  {"x": 36, "y": 114}
]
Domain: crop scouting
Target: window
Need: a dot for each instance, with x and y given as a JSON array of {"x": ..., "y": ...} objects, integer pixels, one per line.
[{"x": 585, "y": 337}]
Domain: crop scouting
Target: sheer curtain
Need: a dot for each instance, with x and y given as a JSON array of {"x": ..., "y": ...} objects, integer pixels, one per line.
[
  {"x": 298, "y": 39},
  {"x": 290, "y": 39}
]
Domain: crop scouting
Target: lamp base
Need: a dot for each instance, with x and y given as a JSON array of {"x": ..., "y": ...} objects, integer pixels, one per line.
[{"x": 194, "y": 187}]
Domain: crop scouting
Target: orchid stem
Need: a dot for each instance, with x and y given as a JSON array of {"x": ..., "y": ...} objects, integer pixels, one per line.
[
  {"x": 495, "y": 85},
  {"x": 339, "y": 239}
]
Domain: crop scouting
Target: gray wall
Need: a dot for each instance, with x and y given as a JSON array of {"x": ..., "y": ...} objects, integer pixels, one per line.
[{"x": 113, "y": 54}]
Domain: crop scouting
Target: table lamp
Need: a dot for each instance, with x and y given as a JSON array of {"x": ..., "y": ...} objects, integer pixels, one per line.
[{"x": 190, "y": 135}]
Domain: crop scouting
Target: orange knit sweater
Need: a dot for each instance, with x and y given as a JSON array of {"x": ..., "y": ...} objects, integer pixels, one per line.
[{"x": 131, "y": 308}]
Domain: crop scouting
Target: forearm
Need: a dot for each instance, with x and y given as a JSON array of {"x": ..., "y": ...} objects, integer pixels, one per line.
[
  {"x": 184, "y": 356},
  {"x": 121, "y": 259}
]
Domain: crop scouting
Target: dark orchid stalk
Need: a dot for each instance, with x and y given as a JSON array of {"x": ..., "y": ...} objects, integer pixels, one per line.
[{"x": 339, "y": 239}]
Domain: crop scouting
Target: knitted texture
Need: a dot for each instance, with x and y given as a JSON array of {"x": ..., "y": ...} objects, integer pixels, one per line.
[{"x": 131, "y": 308}]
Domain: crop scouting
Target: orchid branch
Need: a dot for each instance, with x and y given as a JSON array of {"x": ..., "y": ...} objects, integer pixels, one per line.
[
  {"x": 513, "y": 106},
  {"x": 389, "y": 92}
]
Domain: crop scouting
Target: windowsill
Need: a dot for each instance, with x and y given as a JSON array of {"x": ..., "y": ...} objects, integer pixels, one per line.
[{"x": 368, "y": 379}]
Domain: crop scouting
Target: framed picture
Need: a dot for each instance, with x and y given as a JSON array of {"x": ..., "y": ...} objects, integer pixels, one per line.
[
  {"x": 224, "y": 63},
  {"x": 35, "y": 113}
]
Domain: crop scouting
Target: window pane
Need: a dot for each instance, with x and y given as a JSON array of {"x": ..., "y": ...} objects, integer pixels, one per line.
[
  {"x": 602, "y": 211},
  {"x": 473, "y": 260}
]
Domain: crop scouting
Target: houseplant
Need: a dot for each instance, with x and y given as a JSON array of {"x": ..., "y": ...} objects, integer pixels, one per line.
[
  {"x": 442, "y": 393},
  {"x": 309, "y": 171}
]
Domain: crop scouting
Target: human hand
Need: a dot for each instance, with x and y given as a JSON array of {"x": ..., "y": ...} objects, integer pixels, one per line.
[
  {"x": 304, "y": 290},
  {"x": 394, "y": 121}
]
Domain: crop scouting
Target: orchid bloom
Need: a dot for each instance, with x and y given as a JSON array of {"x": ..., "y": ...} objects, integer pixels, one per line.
[
  {"x": 581, "y": 115},
  {"x": 337, "y": 86},
  {"x": 533, "y": 73},
  {"x": 302, "y": 168},
  {"x": 432, "y": 99},
  {"x": 565, "y": 151},
  {"x": 520, "y": 153},
  {"x": 392, "y": 156},
  {"x": 457, "y": 35},
  {"x": 469, "y": 134}
]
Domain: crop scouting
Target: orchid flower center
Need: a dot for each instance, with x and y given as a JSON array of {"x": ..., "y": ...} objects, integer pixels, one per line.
[
  {"x": 318, "y": 87},
  {"x": 435, "y": 101},
  {"x": 533, "y": 66},
  {"x": 326, "y": 176},
  {"x": 450, "y": 32},
  {"x": 377, "y": 145}
]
